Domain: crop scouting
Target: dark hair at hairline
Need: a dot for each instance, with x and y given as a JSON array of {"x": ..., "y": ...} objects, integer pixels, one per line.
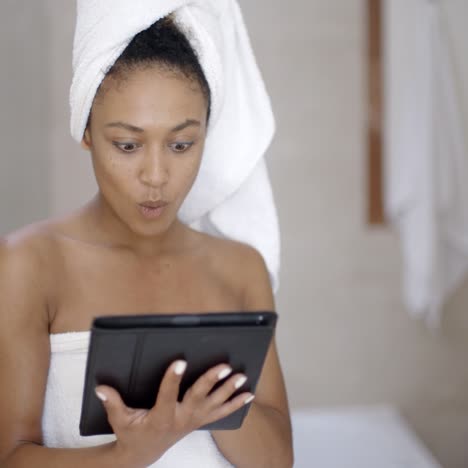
[{"x": 165, "y": 45}]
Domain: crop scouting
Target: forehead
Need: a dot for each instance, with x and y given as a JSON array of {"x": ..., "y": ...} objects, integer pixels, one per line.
[{"x": 149, "y": 92}]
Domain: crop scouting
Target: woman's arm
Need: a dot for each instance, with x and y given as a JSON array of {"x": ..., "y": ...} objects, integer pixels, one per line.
[
  {"x": 101, "y": 456},
  {"x": 265, "y": 439},
  {"x": 24, "y": 362}
]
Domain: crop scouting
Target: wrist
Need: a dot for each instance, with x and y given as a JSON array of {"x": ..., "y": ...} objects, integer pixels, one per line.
[
  {"x": 131, "y": 458},
  {"x": 121, "y": 458}
]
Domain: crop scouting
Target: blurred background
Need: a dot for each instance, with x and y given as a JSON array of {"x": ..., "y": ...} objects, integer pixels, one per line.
[{"x": 346, "y": 338}]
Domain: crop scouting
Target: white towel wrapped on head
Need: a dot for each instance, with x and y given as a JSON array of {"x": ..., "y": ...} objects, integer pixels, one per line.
[{"x": 232, "y": 195}]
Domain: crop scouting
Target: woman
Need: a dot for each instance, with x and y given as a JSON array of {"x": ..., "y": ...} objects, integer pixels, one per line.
[{"x": 126, "y": 250}]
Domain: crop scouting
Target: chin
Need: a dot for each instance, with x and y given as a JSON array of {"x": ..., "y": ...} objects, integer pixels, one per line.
[{"x": 152, "y": 228}]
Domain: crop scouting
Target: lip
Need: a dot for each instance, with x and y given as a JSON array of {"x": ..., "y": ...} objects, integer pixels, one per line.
[
  {"x": 152, "y": 209},
  {"x": 153, "y": 204}
]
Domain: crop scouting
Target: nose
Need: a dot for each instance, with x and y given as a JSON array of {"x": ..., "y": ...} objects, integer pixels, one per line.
[{"x": 154, "y": 170}]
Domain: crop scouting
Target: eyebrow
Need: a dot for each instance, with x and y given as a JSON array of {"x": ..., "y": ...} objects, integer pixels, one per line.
[{"x": 132, "y": 128}]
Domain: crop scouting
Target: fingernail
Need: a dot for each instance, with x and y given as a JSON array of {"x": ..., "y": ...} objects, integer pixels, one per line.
[
  {"x": 180, "y": 367},
  {"x": 249, "y": 399},
  {"x": 224, "y": 373},
  {"x": 240, "y": 381},
  {"x": 101, "y": 396}
]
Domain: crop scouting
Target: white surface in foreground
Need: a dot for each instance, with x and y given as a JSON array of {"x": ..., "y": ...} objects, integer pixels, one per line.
[{"x": 368, "y": 437}]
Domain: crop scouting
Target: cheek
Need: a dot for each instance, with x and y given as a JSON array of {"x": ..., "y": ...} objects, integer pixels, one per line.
[
  {"x": 187, "y": 174},
  {"x": 112, "y": 171}
]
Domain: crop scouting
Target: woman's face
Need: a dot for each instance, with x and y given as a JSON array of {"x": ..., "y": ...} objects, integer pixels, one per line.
[{"x": 146, "y": 137}]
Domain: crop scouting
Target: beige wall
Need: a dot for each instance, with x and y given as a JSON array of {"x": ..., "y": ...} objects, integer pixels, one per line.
[
  {"x": 344, "y": 336},
  {"x": 72, "y": 180},
  {"x": 24, "y": 100}
]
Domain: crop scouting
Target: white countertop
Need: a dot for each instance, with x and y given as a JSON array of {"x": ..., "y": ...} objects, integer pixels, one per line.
[{"x": 364, "y": 437}]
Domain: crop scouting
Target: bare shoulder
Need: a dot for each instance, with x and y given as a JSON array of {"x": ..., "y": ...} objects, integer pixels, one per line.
[
  {"x": 28, "y": 268},
  {"x": 20, "y": 252},
  {"x": 25, "y": 259},
  {"x": 26, "y": 251},
  {"x": 243, "y": 266},
  {"x": 24, "y": 334}
]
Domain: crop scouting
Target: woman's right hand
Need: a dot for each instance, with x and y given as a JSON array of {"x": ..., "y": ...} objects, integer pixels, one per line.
[{"x": 144, "y": 435}]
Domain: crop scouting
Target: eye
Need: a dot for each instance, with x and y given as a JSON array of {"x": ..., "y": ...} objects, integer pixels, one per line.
[
  {"x": 181, "y": 147},
  {"x": 126, "y": 147}
]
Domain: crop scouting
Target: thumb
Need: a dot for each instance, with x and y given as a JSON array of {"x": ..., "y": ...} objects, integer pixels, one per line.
[{"x": 114, "y": 405}]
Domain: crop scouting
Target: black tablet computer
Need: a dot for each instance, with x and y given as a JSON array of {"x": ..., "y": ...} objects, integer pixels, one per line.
[{"x": 131, "y": 353}]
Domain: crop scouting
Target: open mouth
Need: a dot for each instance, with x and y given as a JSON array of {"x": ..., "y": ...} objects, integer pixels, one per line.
[{"x": 152, "y": 210}]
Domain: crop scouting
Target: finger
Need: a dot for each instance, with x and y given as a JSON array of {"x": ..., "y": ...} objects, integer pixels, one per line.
[
  {"x": 231, "y": 406},
  {"x": 223, "y": 393},
  {"x": 168, "y": 392},
  {"x": 203, "y": 386},
  {"x": 117, "y": 411}
]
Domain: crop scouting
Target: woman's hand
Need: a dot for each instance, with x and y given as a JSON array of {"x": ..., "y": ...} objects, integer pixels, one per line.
[{"x": 144, "y": 435}]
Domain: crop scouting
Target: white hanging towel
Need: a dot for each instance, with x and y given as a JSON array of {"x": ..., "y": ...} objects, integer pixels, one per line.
[
  {"x": 426, "y": 155},
  {"x": 232, "y": 196}
]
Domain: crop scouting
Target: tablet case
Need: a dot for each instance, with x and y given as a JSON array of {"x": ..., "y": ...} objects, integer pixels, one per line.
[{"x": 131, "y": 354}]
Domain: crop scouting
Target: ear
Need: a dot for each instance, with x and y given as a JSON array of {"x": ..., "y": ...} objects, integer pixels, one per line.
[{"x": 86, "y": 141}]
